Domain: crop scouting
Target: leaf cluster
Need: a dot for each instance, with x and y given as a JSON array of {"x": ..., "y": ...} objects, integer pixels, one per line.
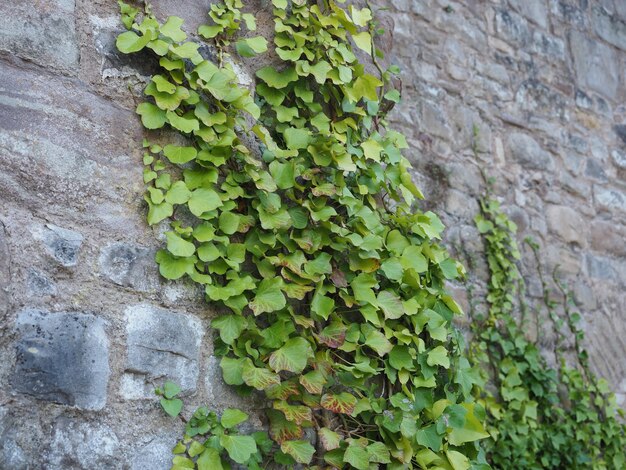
[{"x": 294, "y": 211}]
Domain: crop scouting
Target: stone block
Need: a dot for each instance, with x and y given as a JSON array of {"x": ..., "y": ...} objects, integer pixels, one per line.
[
  {"x": 41, "y": 31},
  {"x": 62, "y": 358},
  {"x": 154, "y": 455},
  {"x": 568, "y": 13},
  {"x": 61, "y": 244},
  {"x": 5, "y": 272},
  {"x": 82, "y": 445},
  {"x": 619, "y": 159},
  {"x": 163, "y": 345},
  {"x": 38, "y": 283},
  {"x": 566, "y": 223},
  {"x": 608, "y": 237},
  {"x": 527, "y": 152},
  {"x": 609, "y": 27},
  {"x": 595, "y": 64},
  {"x": 535, "y": 10},
  {"x": 129, "y": 266},
  {"x": 512, "y": 27},
  {"x": 611, "y": 199}
]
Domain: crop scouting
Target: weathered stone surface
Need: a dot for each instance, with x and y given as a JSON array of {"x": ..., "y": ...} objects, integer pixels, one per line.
[
  {"x": 512, "y": 27},
  {"x": 162, "y": 345},
  {"x": 80, "y": 445},
  {"x": 62, "y": 244},
  {"x": 611, "y": 199},
  {"x": 609, "y": 27},
  {"x": 39, "y": 284},
  {"x": 129, "y": 266},
  {"x": 527, "y": 152},
  {"x": 77, "y": 145},
  {"x": 608, "y": 237},
  {"x": 566, "y": 223},
  {"x": 534, "y": 10},
  {"x": 40, "y": 31},
  {"x": 62, "y": 358},
  {"x": 596, "y": 65},
  {"x": 154, "y": 455}
]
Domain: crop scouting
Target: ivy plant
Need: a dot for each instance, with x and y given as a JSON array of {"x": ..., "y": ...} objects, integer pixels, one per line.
[
  {"x": 538, "y": 416},
  {"x": 293, "y": 208}
]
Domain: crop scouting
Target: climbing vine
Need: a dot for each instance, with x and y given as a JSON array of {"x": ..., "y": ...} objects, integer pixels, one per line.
[
  {"x": 293, "y": 208},
  {"x": 538, "y": 416}
]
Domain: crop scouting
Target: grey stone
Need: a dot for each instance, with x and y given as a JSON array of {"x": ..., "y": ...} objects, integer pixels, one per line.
[
  {"x": 568, "y": 13},
  {"x": 12, "y": 456},
  {"x": 83, "y": 446},
  {"x": 434, "y": 120},
  {"x": 601, "y": 268},
  {"x": 620, "y": 130},
  {"x": 526, "y": 151},
  {"x": 62, "y": 357},
  {"x": 154, "y": 455},
  {"x": 595, "y": 169},
  {"x": 39, "y": 284},
  {"x": 566, "y": 223},
  {"x": 608, "y": 237},
  {"x": 609, "y": 198},
  {"x": 161, "y": 345},
  {"x": 40, "y": 31},
  {"x": 548, "y": 45},
  {"x": 609, "y": 27},
  {"x": 619, "y": 159},
  {"x": 62, "y": 244},
  {"x": 130, "y": 266},
  {"x": 512, "y": 27},
  {"x": 595, "y": 64},
  {"x": 534, "y": 10}
]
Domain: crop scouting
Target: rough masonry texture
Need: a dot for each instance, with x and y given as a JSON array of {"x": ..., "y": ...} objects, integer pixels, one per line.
[{"x": 89, "y": 328}]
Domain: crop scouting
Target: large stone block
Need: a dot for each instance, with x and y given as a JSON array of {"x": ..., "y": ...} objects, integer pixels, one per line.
[
  {"x": 534, "y": 10},
  {"x": 611, "y": 199},
  {"x": 566, "y": 223},
  {"x": 596, "y": 65},
  {"x": 5, "y": 272},
  {"x": 129, "y": 266},
  {"x": 41, "y": 31},
  {"x": 609, "y": 27},
  {"x": 83, "y": 446},
  {"x": 527, "y": 152},
  {"x": 62, "y": 358},
  {"x": 161, "y": 345},
  {"x": 78, "y": 147},
  {"x": 512, "y": 27},
  {"x": 61, "y": 244}
]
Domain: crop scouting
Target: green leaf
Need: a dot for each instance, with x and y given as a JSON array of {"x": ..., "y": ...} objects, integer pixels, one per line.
[
  {"x": 372, "y": 149},
  {"x": 390, "y": 304},
  {"x": 203, "y": 200},
  {"x": 209, "y": 32},
  {"x": 178, "y": 246},
  {"x": 187, "y": 50},
  {"x": 322, "y": 305},
  {"x": 159, "y": 212},
  {"x": 438, "y": 357},
  {"x": 292, "y": 357},
  {"x": 296, "y": 138},
  {"x": 130, "y": 42},
  {"x": 269, "y": 297},
  {"x": 229, "y": 222},
  {"x": 176, "y": 154},
  {"x": 357, "y": 456},
  {"x": 378, "y": 342},
  {"x": 301, "y": 451},
  {"x": 209, "y": 460},
  {"x": 152, "y": 117},
  {"x": 283, "y": 174},
  {"x": 277, "y": 79},
  {"x": 170, "y": 389},
  {"x": 171, "y": 267},
  {"x": 178, "y": 193},
  {"x": 171, "y": 29},
  {"x": 429, "y": 437},
  {"x": 258, "y": 377},
  {"x": 457, "y": 460},
  {"x": 412, "y": 258},
  {"x": 472, "y": 430},
  {"x": 363, "y": 41},
  {"x": 232, "y": 370},
  {"x": 172, "y": 407},
  {"x": 230, "y": 326},
  {"x": 361, "y": 17},
  {"x": 251, "y": 46},
  {"x": 239, "y": 448},
  {"x": 232, "y": 417},
  {"x": 378, "y": 452},
  {"x": 184, "y": 124}
]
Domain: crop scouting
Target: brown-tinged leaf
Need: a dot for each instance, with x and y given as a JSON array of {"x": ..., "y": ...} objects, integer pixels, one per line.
[
  {"x": 341, "y": 403},
  {"x": 313, "y": 381},
  {"x": 295, "y": 413},
  {"x": 330, "y": 439},
  {"x": 334, "y": 335},
  {"x": 282, "y": 430}
]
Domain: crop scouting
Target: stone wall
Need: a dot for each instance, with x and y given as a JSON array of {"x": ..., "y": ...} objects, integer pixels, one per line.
[{"x": 89, "y": 328}]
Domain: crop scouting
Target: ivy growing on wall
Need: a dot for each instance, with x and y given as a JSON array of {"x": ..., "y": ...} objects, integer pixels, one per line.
[
  {"x": 538, "y": 416},
  {"x": 292, "y": 208}
]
